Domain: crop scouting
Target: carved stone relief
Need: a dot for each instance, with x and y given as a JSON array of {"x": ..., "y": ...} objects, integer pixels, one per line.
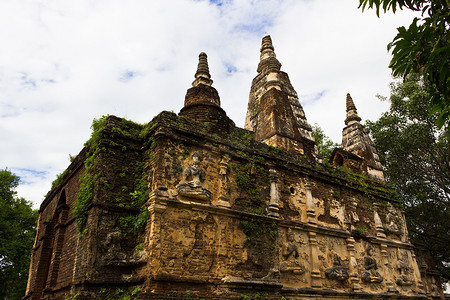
[
  {"x": 403, "y": 267},
  {"x": 291, "y": 257},
  {"x": 351, "y": 216},
  {"x": 114, "y": 254},
  {"x": 193, "y": 188},
  {"x": 337, "y": 211},
  {"x": 337, "y": 272},
  {"x": 370, "y": 275}
]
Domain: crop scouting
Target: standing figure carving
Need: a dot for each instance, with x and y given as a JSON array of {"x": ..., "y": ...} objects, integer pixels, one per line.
[{"x": 370, "y": 264}]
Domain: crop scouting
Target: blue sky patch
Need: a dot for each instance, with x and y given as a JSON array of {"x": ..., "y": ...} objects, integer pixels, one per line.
[
  {"x": 259, "y": 28},
  {"x": 127, "y": 76},
  {"x": 27, "y": 81},
  {"x": 311, "y": 98},
  {"x": 29, "y": 176},
  {"x": 230, "y": 68},
  {"x": 216, "y": 2}
]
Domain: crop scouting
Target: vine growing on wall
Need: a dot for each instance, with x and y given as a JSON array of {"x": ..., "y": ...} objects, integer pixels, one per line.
[
  {"x": 88, "y": 178},
  {"x": 93, "y": 173}
]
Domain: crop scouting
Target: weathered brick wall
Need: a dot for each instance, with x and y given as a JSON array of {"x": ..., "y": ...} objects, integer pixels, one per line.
[
  {"x": 227, "y": 216},
  {"x": 49, "y": 249}
]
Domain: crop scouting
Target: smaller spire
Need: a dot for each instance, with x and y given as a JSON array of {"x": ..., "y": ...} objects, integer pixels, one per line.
[
  {"x": 202, "y": 75},
  {"x": 352, "y": 113}
]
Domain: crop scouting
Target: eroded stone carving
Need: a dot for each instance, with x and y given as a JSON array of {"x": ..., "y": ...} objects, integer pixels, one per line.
[
  {"x": 195, "y": 173},
  {"x": 403, "y": 267},
  {"x": 370, "y": 264},
  {"x": 391, "y": 220},
  {"x": 337, "y": 272},
  {"x": 114, "y": 255},
  {"x": 291, "y": 263},
  {"x": 193, "y": 188}
]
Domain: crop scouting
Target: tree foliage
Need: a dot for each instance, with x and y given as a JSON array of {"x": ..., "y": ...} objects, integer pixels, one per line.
[
  {"x": 415, "y": 153},
  {"x": 17, "y": 232},
  {"x": 423, "y": 48},
  {"x": 323, "y": 142}
]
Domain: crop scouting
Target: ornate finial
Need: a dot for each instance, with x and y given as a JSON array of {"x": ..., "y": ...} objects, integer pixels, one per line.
[
  {"x": 268, "y": 59},
  {"x": 202, "y": 75},
  {"x": 350, "y": 104},
  {"x": 352, "y": 113},
  {"x": 266, "y": 43}
]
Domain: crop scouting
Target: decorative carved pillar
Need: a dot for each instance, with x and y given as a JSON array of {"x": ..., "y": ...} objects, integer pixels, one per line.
[
  {"x": 310, "y": 208},
  {"x": 274, "y": 196},
  {"x": 417, "y": 275},
  {"x": 384, "y": 264},
  {"x": 158, "y": 205},
  {"x": 224, "y": 200},
  {"x": 384, "y": 254},
  {"x": 378, "y": 223},
  {"x": 354, "y": 279},
  {"x": 316, "y": 279}
]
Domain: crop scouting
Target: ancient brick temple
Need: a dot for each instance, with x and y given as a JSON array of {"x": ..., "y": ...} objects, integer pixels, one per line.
[{"x": 189, "y": 206}]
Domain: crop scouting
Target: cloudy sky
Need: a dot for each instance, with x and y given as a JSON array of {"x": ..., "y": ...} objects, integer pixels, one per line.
[{"x": 64, "y": 63}]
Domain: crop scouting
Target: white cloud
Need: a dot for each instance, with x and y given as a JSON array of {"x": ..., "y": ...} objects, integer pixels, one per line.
[{"x": 64, "y": 63}]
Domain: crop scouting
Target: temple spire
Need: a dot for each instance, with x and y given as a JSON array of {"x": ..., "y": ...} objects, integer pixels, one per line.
[
  {"x": 274, "y": 112},
  {"x": 202, "y": 75},
  {"x": 352, "y": 113},
  {"x": 358, "y": 150},
  {"x": 202, "y": 101}
]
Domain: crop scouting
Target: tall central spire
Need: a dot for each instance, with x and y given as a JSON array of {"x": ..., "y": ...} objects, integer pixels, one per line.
[{"x": 274, "y": 112}]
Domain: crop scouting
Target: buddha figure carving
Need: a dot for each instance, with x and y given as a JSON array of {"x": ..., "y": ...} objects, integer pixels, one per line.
[
  {"x": 370, "y": 264},
  {"x": 392, "y": 224},
  {"x": 195, "y": 175},
  {"x": 337, "y": 272},
  {"x": 403, "y": 267},
  {"x": 291, "y": 263},
  {"x": 194, "y": 172}
]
